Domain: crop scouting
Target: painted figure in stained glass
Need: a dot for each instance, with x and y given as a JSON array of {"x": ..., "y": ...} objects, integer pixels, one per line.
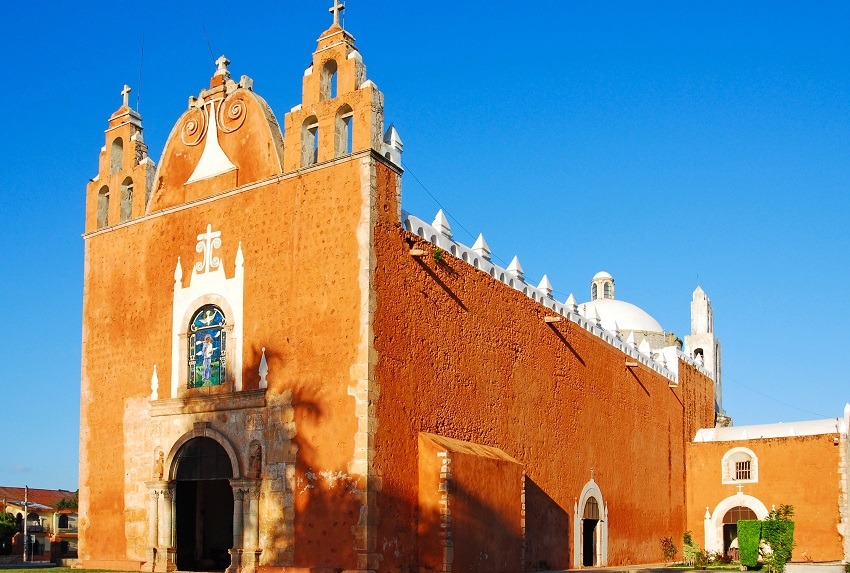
[{"x": 207, "y": 339}]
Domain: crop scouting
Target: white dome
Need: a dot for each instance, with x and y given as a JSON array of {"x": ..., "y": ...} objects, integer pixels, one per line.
[
  {"x": 602, "y": 275},
  {"x": 628, "y": 316}
]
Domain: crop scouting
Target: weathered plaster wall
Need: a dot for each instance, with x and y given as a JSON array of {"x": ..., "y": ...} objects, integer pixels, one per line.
[
  {"x": 463, "y": 356},
  {"x": 302, "y": 303},
  {"x": 801, "y": 471}
]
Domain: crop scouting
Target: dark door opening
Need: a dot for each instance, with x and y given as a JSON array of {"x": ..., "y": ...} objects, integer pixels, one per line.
[
  {"x": 588, "y": 549},
  {"x": 203, "y": 501}
]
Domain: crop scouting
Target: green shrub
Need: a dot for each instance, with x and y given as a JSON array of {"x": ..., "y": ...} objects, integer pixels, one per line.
[
  {"x": 668, "y": 548},
  {"x": 778, "y": 533},
  {"x": 749, "y": 536},
  {"x": 8, "y": 527}
]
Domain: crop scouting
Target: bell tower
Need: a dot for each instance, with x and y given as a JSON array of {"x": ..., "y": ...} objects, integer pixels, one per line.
[
  {"x": 121, "y": 189},
  {"x": 703, "y": 345},
  {"x": 341, "y": 112}
]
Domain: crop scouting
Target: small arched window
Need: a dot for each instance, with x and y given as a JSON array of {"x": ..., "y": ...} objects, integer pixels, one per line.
[
  {"x": 594, "y": 291},
  {"x": 740, "y": 465},
  {"x": 207, "y": 342},
  {"x": 126, "y": 199},
  {"x": 63, "y": 521},
  {"x": 116, "y": 156},
  {"x": 310, "y": 142},
  {"x": 343, "y": 138},
  {"x": 328, "y": 81},
  {"x": 606, "y": 290},
  {"x": 103, "y": 207}
]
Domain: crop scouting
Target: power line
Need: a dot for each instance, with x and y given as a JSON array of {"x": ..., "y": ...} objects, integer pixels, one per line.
[
  {"x": 762, "y": 394},
  {"x": 456, "y": 220},
  {"x": 212, "y": 56}
]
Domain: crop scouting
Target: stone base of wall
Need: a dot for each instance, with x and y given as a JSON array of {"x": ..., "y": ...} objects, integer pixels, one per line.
[{"x": 832, "y": 567}]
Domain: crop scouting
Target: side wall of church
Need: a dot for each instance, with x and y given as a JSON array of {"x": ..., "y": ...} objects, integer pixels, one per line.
[
  {"x": 464, "y": 356},
  {"x": 802, "y": 471},
  {"x": 302, "y": 303}
]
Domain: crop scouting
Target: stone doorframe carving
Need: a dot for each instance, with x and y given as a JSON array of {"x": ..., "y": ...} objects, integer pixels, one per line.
[
  {"x": 591, "y": 489},
  {"x": 714, "y": 520},
  {"x": 245, "y": 553}
]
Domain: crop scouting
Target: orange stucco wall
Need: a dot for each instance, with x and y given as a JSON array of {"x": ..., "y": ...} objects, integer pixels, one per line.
[
  {"x": 464, "y": 356},
  {"x": 301, "y": 302},
  {"x": 800, "y": 471}
]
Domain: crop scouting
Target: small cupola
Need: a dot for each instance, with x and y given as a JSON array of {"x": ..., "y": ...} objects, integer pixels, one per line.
[
  {"x": 121, "y": 189},
  {"x": 602, "y": 286}
]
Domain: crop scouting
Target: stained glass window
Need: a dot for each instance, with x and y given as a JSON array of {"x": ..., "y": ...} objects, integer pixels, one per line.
[{"x": 207, "y": 345}]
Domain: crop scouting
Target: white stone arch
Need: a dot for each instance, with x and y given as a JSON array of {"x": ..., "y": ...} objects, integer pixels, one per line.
[
  {"x": 203, "y": 431},
  {"x": 727, "y": 468},
  {"x": 714, "y": 520},
  {"x": 590, "y": 489}
]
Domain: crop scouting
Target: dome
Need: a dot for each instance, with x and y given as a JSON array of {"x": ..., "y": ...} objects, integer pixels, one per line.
[
  {"x": 602, "y": 275},
  {"x": 628, "y": 316}
]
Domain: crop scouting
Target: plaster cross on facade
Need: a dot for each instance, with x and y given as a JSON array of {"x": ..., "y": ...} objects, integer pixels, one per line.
[
  {"x": 740, "y": 489},
  {"x": 221, "y": 66},
  {"x": 336, "y": 10},
  {"x": 126, "y": 94},
  {"x": 207, "y": 243},
  {"x": 592, "y": 473}
]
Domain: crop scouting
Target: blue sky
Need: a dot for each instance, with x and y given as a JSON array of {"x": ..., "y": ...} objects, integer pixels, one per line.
[{"x": 669, "y": 143}]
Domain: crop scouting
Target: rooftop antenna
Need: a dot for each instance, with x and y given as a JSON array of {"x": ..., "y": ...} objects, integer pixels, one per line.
[
  {"x": 139, "y": 91},
  {"x": 212, "y": 56}
]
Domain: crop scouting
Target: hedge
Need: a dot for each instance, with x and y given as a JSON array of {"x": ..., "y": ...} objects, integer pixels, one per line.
[{"x": 749, "y": 536}]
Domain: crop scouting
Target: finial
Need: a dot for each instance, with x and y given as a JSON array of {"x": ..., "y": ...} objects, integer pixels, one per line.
[
  {"x": 154, "y": 385},
  {"x": 545, "y": 286},
  {"x": 221, "y": 66},
  {"x": 441, "y": 223},
  {"x": 571, "y": 303},
  {"x": 481, "y": 248},
  {"x": 336, "y": 10},
  {"x": 126, "y": 95},
  {"x": 264, "y": 370},
  {"x": 515, "y": 268}
]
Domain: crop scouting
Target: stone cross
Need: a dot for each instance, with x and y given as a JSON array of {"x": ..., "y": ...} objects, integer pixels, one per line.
[
  {"x": 740, "y": 489},
  {"x": 592, "y": 473},
  {"x": 221, "y": 66},
  {"x": 335, "y": 10},
  {"x": 126, "y": 93},
  {"x": 207, "y": 243}
]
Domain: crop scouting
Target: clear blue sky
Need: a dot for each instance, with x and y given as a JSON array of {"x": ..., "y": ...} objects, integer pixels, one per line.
[{"x": 669, "y": 143}]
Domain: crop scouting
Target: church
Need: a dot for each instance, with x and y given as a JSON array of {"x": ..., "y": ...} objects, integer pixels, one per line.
[{"x": 283, "y": 371}]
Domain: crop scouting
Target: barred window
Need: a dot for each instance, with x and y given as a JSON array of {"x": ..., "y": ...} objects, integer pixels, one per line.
[{"x": 742, "y": 470}]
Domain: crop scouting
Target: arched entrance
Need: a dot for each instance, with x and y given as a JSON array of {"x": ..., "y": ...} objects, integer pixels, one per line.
[
  {"x": 729, "y": 511},
  {"x": 203, "y": 505},
  {"x": 590, "y": 528},
  {"x": 730, "y": 525}
]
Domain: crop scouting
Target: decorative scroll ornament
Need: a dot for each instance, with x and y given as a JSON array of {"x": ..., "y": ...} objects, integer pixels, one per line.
[
  {"x": 195, "y": 127},
  {"x": 207, "y": 243},
  {"x": 231, "y": 113}
]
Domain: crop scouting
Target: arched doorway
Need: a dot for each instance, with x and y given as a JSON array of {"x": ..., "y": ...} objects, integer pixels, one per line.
[
  {"x": 730, "y": 526},
  {"x": 716, "y": 529},
  {"x": 590, "y": 528},
  {"x": 203, "y": 506}
]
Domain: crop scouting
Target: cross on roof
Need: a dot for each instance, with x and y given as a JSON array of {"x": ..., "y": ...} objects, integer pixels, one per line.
[
  {"x": 126, "y": 93},
  {"x": 336, "y": 9},
  {"x": 221, "y": 66}
]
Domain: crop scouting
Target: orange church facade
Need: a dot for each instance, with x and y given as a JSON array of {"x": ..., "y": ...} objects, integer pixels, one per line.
[{"x": 279, "y": 376}]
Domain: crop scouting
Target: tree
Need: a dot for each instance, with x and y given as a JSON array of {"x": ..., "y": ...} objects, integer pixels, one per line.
[
  {"x": 778, "y": 532},
  {"x": 8, "y": 528},
  {"x": 72, "y": 503}
]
